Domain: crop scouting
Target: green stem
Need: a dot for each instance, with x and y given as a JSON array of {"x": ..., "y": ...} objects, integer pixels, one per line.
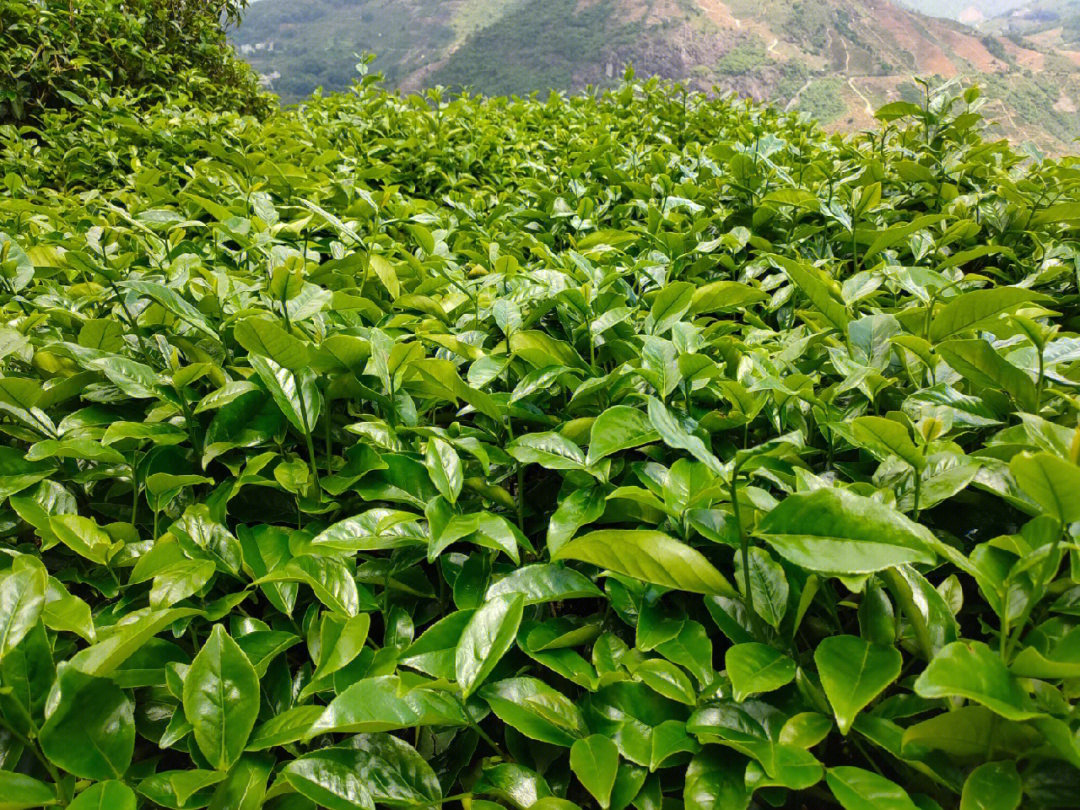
[
  {"x": 327, "y": 440},
  {"x": 134, "y": 486},
  {"x": 1049, "y": 567},
  {"x": 901, "y": 591},
  {"x": 1042, "y": 379},
  {"x": 744, "y": 548},
  {"x": 915, "y": 506},
  {"x": 307, "y": 433},
  {"x": 483, "y": 734},
  {"x": 30, "y": 744}
]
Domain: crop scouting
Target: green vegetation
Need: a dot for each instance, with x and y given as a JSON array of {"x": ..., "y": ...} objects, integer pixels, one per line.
[
  {"x": 55, "y": 53},
  {"x": 748, "y": 55},
  {"x": 512, "y": 58},
  {"x": 635, "y": 450},
  {"x": 317, "y": 43},
  {"x": 823, "y": 100}
]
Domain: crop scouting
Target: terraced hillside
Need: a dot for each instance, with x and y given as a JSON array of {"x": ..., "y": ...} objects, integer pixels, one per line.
[{"x": 836, "y": 59}]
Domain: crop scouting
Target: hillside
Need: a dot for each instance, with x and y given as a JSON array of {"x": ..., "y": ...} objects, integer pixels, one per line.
[
  {"x": 1047, "y": 24},
  {"x": 972, "y": 12},
  {"x": 836, "y": 59}
]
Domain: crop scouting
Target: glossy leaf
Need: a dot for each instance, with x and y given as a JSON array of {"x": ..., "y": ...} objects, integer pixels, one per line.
[
  {"x": 853, "y": 672},
  {"x": 595, "y": 762},
  {"x": 837, "y": 532},
  {"x": 221, "y": 699},
  {"x": 649, "y": 556}
]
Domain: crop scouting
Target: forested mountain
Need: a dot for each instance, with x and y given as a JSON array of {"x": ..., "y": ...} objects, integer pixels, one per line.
[{"x": 837, "y": 59}]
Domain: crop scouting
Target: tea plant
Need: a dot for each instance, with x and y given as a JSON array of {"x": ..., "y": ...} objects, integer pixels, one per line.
[{"x": 641, "y": 450}]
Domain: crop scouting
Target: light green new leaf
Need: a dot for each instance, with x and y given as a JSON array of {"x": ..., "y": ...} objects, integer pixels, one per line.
[
  {"x": 885, "y": 437},
  {"x": 649, "y": 556},
  {"x": 970, "y": 669},
  {"x": 977, "y": 308},
  {"x": 1050, "y": 481},
  {"x": 21, "y": 792}
]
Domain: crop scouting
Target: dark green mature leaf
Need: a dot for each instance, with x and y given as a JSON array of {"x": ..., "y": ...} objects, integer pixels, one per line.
[
  {"x": 595, "y": 762},
  {"x": 89, "y": 726},
  {"x": 859, "y": 789},
  {"x": 384, "y": 703},
  {"x": 486, "y": 638},
  {"x": 755, "y": 668},
  {"x": 853, "y": 672},
  {"x": 393, "y": 771},
  {"x": 266, "y": 339},
  {"x": 328, "y": 777},
  {"x": 221, "y": 699},
  {"x": 884, "y": 437},
  {"x": 22, "y": 599},
  {"x": 979, "y": 362},
  {"x": 835, "y": 531},
  {"x": 992, "y": 786},
  {"x": 536, "y": 710},
  {"x": 351, "y": 410},
  {"x": 716, "y": 781},
  {"x": 619, "y": 428}
]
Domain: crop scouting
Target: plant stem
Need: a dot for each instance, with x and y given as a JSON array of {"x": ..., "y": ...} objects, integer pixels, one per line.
[
  {"x": 902, "y": 592},
  {"x": 918, "y": 486},
  {"x": 307, "y": 433},
  {"x": 1049, "y": 567},
  {"x": 744, "y": 548}
]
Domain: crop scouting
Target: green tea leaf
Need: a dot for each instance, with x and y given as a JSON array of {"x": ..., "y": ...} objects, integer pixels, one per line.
[
  {"x": 649, "y": 556},
  {"x": 595, "y": 762},
  {"x": 838, "y": 532},
  {"x": 853, "y": 672},
  {"x": 221, "y": 699}
]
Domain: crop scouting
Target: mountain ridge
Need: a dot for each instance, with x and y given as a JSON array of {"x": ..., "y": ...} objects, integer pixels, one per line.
[{"x": 836, "y": 59}]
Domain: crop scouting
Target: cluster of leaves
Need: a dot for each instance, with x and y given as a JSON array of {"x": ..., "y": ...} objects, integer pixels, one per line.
[
  {"x": 58, "y": 54},
  {"x": 638, "y": 450}
]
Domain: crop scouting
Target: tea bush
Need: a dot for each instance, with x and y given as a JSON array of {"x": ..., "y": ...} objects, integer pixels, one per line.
[
  {"x": 71, "y": 55},
  {"x": 641, "y": 450}
]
